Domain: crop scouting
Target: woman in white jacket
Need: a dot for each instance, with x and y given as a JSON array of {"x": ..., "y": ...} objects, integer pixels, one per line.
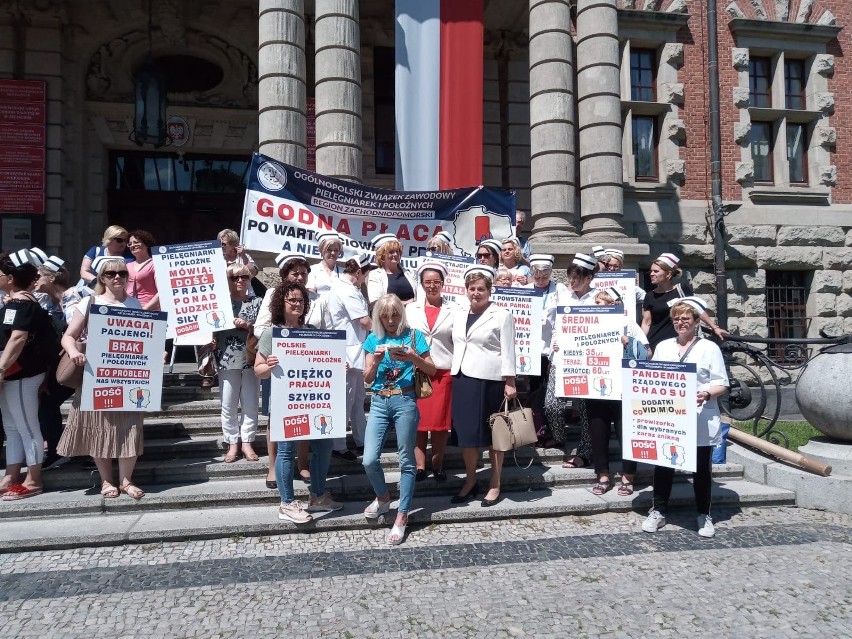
[
  {"x": 483, "y": 372},
  {"x": 434, "y": 317}
]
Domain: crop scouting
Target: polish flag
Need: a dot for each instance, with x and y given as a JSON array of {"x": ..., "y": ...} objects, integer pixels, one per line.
[{"x": 439, "y": 67}]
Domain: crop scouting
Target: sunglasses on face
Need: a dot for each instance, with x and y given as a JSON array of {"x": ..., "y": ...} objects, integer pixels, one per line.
[
  {"x": 483, "y": 256},
  {"x": 238, "y": 278},
  {"x": 120, "y": 240},
  {"x": 113, "y": 274}
]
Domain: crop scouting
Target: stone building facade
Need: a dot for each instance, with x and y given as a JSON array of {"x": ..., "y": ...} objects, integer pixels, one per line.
[{"x": 595, "y": 112}]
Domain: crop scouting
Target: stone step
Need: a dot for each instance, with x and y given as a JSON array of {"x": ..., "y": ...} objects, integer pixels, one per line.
[
  {"x": 181, "y": 485},
  {"x": 186, "y": 513}
]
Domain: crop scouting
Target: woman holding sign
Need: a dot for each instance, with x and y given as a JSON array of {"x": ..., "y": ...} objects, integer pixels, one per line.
[
  {"x": 103, "y": 435},
  {"x": 483, "y": 372},
  {"x": 289, "y": 308},
  {"x": 393, "y": 351},
  {"x": 711, "y": 383}
]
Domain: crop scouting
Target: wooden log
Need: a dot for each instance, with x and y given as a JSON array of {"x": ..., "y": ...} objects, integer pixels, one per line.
[{"x": 779, "y": 452}]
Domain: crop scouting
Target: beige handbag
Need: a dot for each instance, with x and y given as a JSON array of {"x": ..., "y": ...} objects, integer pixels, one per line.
[{"x": 512, "y": 427}]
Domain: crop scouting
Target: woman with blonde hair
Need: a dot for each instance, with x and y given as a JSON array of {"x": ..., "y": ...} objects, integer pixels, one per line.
[
  {"x": 393, "y": 352},
  {"x": 113, "y": 244},
  {"x": 512, "y": 258},
  {"x": 103, "y": 435},
  {"x": 390, "y": 277},
  {"x": 440, "y": 243}
]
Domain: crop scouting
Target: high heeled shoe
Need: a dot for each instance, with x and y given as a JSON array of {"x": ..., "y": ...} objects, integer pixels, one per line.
[
  {"x": 486, "y": 503},
  {"x": 463, "y": 499}
]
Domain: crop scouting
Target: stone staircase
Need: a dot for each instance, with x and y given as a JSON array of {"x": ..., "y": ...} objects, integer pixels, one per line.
[{"x": 192, "y": 493}]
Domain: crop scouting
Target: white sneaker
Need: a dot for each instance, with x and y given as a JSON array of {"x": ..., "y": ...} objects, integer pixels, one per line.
[
  {"x": 653, "y": 522},
  {"x": 294, "y": 512},
  {"x": 324, "y": 503},
  {"x": 705, "y": 526}
]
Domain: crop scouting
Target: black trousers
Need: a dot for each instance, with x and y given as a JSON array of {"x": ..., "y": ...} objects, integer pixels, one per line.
[
  {"x": 49, "y": 415},
  {"x": 602, "y": 413},
  {"x": 701, "y": 482}
]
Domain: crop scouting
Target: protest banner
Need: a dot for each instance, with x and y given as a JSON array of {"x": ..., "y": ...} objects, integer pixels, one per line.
[
  {"x": 659, "y": 413},
  {"x": 588, "y": 363},
  {"x": 308, "y": 398},
  {"x": 193, "y": 287},
  {"x": 285, "y": 207},
  {"x": 622, "y": 281},
  {"x": 525, "y": 306},
  {"x": 124, "y": 359}
]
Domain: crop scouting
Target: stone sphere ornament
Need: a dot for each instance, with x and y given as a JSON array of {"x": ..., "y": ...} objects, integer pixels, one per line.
[{"x": 824, "y": 392}]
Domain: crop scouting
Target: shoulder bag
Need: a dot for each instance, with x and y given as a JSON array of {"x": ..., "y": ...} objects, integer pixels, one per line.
[
  {"x": 67, "y": 372},
  {"x": 422, "y": 382},
  {"x": 512, "y": 427}
]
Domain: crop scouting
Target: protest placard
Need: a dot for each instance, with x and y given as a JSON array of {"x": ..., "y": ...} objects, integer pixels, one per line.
[
  {"x": 124, "y": 359},
  {"x": 525, "y": 306},
  {"x": 588, "y": 363},
  {"x": 622, "y": 281},
  {"x": 286, "y": 206},
  {"x": 659, "y": 413},
  {"x": 193, "y": 287},
  {"x": 308, "y": 398}
]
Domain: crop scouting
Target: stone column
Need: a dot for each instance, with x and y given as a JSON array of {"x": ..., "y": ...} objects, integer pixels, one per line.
[
  {"x": 281, "y": 81},
  {"x": 338, "y": 89},
  {"x": 552, "y": 163},
  {"x": 599, "y": 115}
]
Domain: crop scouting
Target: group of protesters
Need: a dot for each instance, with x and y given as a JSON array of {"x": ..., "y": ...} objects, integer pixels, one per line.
[{"x": 396, "y": 322}]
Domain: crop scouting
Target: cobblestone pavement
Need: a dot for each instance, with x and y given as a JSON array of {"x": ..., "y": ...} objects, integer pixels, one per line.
[{"x": 773, "y": 572}]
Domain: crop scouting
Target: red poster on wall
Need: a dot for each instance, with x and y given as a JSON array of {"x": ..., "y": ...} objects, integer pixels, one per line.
[{"x": 23, "y": 138}]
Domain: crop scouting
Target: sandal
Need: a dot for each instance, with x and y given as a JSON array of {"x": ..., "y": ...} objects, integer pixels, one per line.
[
  {"x": 574, "y": 461},
  {"x": 132, "y": 491},
  {"x": 108, "y": 490},
  {"x": 397, "y": 535},
  {"x": 603, "y": 486},
  {"x": 625, "y": 489},
  {"x": 232, "y": 456}
]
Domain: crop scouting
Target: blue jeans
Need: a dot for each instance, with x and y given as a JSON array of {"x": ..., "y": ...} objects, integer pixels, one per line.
[
  {"x": 401, "y": 411},
  {"x": 285, "y": 462}
]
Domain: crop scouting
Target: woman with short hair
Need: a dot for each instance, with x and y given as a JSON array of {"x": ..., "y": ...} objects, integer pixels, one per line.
[
  {"x": 113, "y": 244},
  {"x": 103, "y": 435},
  {"x": 434, "y": 317},
  {"x": 440, "y": 243},
  {"x": 289, "y": 307},
  {"x": 512, "y": 258},
  {"x": 483, "y": 370},
  {"x": 141, "y": 283},
  {"x": 28, "y": 348},
  {"x": 238, "y": 385},
  {"x": 711, "y": 383},
  {"x": 328, "y": 269},
  {"x": 393, "y": 352},
  {"x": 390, "y": 277}
]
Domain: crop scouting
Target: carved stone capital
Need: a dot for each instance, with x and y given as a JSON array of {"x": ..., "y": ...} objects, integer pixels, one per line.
[
  {"x": 825, "y": 102},
  {"x": 675, "y": 129},
  {"x": 673, "y": 92},
  {"x": 742, "y": 130},
  {"x": 825, "y": 136},
  {"x": 824, "y": 64},
  {"x": 740, "y": 58},
  {"x": 744, "y": 171},
  {"x": 828, "y": 175},
  {"x": 741, "y": 97},
  {"x": 676, "y": 171},
  {"x": 673, "y": 54}
]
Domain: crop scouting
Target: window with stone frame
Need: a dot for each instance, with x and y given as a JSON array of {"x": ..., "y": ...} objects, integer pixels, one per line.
[
  {"x": 784, "y": 104},
  {"x": 651, "y": 96},
  {"x": 786, "y": 314}
]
